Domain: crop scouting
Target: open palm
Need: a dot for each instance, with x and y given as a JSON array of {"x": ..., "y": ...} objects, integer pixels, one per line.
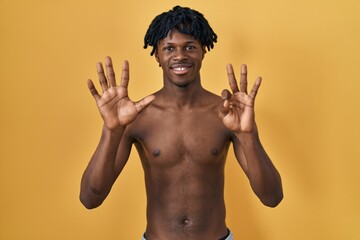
[{"x": 114, "y": 105}]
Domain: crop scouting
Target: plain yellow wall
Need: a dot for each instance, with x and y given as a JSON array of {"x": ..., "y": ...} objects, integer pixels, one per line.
[{"x": 307, "y": 111}]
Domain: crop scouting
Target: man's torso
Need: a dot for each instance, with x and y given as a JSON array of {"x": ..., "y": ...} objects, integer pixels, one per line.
[{"x": 183, "y": 155}]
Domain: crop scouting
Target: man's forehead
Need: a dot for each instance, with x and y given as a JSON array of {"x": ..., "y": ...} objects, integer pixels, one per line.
[{"x": 174, "y": 36}]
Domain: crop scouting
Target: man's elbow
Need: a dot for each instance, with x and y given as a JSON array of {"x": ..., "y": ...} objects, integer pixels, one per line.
[
  {"x": 273, "y": 200},
  {"x": 88, "y": 202}
]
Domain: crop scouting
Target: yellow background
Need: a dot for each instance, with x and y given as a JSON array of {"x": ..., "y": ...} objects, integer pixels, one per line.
[{"x": 307, "y": 111}]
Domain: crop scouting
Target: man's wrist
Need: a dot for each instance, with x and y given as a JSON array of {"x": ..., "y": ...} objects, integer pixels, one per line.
[
  {"x": 114, "y": 131},
  {"x": 247, "y": 137}
]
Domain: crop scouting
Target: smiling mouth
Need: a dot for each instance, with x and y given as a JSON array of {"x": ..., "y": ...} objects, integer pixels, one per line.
[{"x": 181, "y": 70}]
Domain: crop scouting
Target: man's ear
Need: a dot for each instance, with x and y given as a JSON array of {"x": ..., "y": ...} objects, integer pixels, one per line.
[
  {"x": 204, "y": 51},
  {"x": 157, "y": 56}
]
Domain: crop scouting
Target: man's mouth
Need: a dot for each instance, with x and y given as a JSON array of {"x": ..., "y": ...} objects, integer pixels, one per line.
[{"x": 180, "y": 70}]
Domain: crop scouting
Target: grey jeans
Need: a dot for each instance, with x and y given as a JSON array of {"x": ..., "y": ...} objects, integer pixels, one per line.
[{"x": 230, "y": 237}]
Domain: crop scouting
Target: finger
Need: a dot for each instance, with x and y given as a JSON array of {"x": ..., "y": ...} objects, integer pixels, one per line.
[
  {"x": 225, "y": 94},
  {"x": 232, "y": 79},
  {"x": 144, "y": 103},
  {"x": 125, "y": 75},
  {"x": 255, "y": 88},
  {"x": 225, "y": 108},
  {"x": 110, "y": 72},
  {"x": 93, "y": 90},
  {"x": 243, "y": 79},
  {"x": 102, "y": 78}
]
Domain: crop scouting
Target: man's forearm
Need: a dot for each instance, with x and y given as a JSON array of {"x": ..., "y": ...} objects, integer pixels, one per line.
[
  {"x": 263, "y": 176},
  {"x": 100, "y": 174}
]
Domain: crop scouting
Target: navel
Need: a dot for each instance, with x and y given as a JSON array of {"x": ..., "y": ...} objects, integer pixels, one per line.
[
  {"x": 156, "y": 153},
  {"x": 186, "y": 222}
]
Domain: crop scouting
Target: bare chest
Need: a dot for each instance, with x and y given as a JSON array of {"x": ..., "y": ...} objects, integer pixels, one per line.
[{"x": 197, "y": 138}]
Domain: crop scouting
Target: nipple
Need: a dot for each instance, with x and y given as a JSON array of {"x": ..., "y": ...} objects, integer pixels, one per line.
[
  {"x": 156, "y": 153},
  {"x": 214, "y": 151}
]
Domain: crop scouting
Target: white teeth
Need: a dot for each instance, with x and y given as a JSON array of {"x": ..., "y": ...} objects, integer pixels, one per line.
[{"x": 180, "y": 69}]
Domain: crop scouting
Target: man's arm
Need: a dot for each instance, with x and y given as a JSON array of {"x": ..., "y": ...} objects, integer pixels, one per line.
[
  {"x": 238, "y": 116},
  {"x": 262, "y": 174},
  {"x": 113, "y": 150},
  {"x": 104, "y": 167}
]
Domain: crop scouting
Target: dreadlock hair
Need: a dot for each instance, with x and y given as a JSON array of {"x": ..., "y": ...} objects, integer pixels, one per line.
[{"x": 184, "y": 20}]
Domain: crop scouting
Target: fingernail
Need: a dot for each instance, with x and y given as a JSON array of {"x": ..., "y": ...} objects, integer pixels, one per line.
[{"x": 243, "y": 68}]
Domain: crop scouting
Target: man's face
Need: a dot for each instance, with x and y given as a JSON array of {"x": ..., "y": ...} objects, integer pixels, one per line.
[{"x": 180, "y": 56}]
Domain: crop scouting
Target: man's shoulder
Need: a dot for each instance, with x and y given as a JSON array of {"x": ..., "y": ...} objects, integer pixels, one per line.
[
  {"x": 211, "y": 101},
  {"x": 146, "y": 118}
]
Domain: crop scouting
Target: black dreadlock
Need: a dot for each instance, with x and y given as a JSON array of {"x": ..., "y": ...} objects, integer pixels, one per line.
[{"x": 183, "y": 19}]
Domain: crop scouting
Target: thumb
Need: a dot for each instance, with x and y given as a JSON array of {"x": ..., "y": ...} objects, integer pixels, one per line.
[
  {"x": 143, "y": 103},
  {"x": 225, "y": 108}
]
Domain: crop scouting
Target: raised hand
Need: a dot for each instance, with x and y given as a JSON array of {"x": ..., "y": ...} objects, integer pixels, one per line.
[
  {"x": 114, "y": 105},
  {"x": 237, "y": 111}
]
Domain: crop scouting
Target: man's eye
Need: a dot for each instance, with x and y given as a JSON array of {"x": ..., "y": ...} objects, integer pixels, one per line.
[
  {"x": 168, "y": 48},
  {"x": 190, "y": 47}
]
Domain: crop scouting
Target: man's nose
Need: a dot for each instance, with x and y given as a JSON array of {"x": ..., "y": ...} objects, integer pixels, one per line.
[{"x": 180, "y": 54}]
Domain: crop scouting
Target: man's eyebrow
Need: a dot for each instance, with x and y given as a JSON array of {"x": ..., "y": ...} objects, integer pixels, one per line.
[{"x": 170, "y": 42}]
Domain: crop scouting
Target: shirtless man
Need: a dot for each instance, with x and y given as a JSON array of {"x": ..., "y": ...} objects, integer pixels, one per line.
[{"x": 182, "y": 134}]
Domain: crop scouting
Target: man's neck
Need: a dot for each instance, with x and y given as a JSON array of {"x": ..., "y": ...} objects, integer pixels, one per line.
[{"x": 184, "y": 97}]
